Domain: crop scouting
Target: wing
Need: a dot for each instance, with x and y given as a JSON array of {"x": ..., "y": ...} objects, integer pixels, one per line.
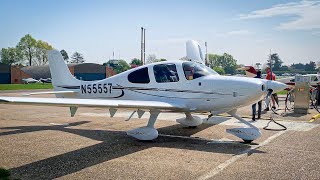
[
  {"x": 50, "y": 92},
  {"x": 106, "y": 103}
]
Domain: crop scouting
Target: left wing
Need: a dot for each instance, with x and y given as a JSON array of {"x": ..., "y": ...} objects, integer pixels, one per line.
[
  {"x": 106, "y": 103},
  {"x": 50, "y": 92}
]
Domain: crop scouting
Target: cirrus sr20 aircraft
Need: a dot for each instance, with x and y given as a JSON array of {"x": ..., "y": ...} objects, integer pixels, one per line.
[{"x": 169, "y": 86}]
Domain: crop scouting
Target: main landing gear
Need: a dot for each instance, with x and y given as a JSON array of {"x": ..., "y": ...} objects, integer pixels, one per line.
[{"x": 148, "y": 132}]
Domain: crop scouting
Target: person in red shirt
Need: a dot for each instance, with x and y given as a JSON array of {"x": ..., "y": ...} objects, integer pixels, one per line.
[{"x": 268, "y": 77}]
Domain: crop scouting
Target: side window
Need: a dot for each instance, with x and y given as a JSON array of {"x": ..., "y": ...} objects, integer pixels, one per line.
[
  {"x": 165, "y": 73},
  {"x": 139, "y": 76}
]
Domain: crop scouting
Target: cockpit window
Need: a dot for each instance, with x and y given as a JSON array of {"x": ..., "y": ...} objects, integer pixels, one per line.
[
  {"x": 140, "y": 76},
  {"x": 194, "y": 70},
  {"x": 165, "y": 73}
]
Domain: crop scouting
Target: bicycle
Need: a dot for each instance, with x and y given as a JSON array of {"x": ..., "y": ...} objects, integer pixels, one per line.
[{"x": 313, "y": 94}]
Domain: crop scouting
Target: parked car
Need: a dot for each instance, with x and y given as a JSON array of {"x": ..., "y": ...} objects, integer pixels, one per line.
[
  {"x": 29, "y": 80},
  {"x": 47, "y": 80}
]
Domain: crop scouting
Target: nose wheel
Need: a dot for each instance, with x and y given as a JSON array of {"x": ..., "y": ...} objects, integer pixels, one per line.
[{"x": 190, "y": 121}]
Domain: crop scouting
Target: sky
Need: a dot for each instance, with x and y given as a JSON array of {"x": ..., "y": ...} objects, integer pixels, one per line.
[{"x": 247, "y": 29}]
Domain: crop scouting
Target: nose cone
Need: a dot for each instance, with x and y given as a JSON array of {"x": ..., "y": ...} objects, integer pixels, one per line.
[{"x": 276, "y": 86}]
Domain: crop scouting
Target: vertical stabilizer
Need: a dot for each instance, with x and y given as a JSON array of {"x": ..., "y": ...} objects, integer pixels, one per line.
[
  {"x": 194, "y": 52},
  {"x": 60, "y": 73}
]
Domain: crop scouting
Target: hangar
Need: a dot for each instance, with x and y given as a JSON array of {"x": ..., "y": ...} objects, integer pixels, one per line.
[
  {"x": 86, "y": 71},
  {"x": 11, "y": 74},
  {"x": 5, "y": 74}
]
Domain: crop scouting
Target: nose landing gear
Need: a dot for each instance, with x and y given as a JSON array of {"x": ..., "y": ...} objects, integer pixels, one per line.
[{"x": 247, "y": 134}]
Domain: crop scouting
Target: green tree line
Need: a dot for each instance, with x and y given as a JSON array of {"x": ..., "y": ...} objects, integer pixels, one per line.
[{"x": 32, "y": 52}]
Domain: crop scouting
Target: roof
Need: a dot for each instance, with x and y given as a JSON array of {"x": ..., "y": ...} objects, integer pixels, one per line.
[{"x": 43, "y": 71}]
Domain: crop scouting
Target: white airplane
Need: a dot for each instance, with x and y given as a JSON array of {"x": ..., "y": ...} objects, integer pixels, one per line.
[
  {"x": 169, "y": 86},
  {"x": 290, "y": 81}
]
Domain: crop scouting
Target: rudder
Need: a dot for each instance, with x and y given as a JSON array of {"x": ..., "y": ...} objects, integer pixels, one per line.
[{"x": 60, "y": 73}]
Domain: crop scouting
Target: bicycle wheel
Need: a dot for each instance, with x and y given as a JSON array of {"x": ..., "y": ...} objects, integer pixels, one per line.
[
  {"x": 289, "y": 102},
  {"x": 314, "y": 100}
]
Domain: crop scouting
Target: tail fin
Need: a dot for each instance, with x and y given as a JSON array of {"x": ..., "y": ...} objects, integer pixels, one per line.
[
  {"x": 60, "y": 72},
  {"x": 194, "y": 52}
]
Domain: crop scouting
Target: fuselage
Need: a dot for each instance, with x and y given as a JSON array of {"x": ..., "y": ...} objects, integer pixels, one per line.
[{"x": 191, "y": 84}]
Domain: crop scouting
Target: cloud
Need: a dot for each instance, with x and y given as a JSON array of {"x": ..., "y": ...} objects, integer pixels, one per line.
[
  {"x": 171, "y": 40},
  {"x": 306, "y": 13},
  {"x": 317, "y": 33},
  {"x": 235, "y": 33}
]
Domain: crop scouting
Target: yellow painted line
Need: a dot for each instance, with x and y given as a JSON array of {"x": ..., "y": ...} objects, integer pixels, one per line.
[
  {"x": 311, "y": 120},
  {"x": 315, "y": 117}
]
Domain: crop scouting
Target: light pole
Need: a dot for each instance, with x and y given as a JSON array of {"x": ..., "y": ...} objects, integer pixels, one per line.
[
  {"x": 142, "y": 46},
  {"x": 206, "y": 58}
]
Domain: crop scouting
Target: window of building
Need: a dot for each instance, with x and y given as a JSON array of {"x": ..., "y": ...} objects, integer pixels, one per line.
[
  {"x": 194, "y": 70},
  {"x": 165, "y": 73},
  {"x": 139, "y": 76}
]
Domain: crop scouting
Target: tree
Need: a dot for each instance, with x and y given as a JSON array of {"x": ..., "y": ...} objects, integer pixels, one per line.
[
  {"x": 27, "y": 46},
  {"x": 64, "y": 55},
  {"x": 184, "y": 58},
  {"x": 276, "y": 62},
  {"x": 219, "y": 70},
  {"x": 298, "y": 66},
  {"x": 121, "y": 67},
  {"x": 11, "y": 56},
  {"x": 41, "y": 52},
  {"x": 151, "y": 58},
  {"x": 77, "y": 58},
  {"x": 136, "y": 62},
  {"x": 118, "y": 65},
  {"x": 162, "y": 59},
  {"x": 226, "y": 61},
  {"x": 310, "y": 66},
  {"x": 285, "y": 68}
]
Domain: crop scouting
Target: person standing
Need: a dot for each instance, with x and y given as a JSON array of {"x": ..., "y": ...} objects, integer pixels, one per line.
[
  {"x": 254, "y": 106},
  {"x": 270, "y": 76}
]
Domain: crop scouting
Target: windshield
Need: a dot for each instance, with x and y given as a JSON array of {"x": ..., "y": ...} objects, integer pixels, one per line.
[{"x": 194, "y": 70}]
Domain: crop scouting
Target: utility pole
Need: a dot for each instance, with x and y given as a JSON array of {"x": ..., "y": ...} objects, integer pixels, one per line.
[
  {"x": 143, "y": 46},
  {"x": 206, "y": 58},
  {"x": 270, "y": 61}
]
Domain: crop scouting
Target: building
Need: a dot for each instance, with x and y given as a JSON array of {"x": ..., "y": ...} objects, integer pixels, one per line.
[
  {"x": 85, "y": 71},
  {"x": 5, "y": 74}
]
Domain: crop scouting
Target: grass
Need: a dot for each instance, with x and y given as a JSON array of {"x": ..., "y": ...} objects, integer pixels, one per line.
[
  {"x": 4, "y": 174},
  {"x": 283, "y": 92},
  {"x": 25, "y": 86}
]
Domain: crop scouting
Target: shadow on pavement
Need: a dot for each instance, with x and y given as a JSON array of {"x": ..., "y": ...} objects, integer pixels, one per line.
[{"x": 114, "y": 144}]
